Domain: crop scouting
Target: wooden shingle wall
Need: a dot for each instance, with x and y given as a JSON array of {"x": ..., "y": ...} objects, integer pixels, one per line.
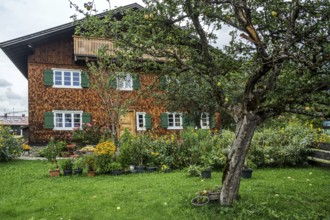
[{"x": 59, "y": 54}]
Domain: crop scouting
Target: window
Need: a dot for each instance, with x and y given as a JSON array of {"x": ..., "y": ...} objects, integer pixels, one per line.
[
  {"x": 174, "y": 121},
  {"x": 67, "y": 120},
  {"x": 125, "y": 82},
  {"x": 67, "y": 78},
  {"x": 141, "y": 121},
  {"x": 205, "y": 121}
]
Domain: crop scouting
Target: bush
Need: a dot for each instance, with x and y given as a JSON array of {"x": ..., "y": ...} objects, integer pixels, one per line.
[
  {"x": 10, "y": 147},
  {"x": 287, "y": 146},
  {"x": 78, "y": 163},
  {"x": 53, "y": 150},
  {"x": 103, "y": 163},
  {"x": 105, "y": 148},
  {"x": 134, "y": 150},
  {"x": 66, "y": 164}
]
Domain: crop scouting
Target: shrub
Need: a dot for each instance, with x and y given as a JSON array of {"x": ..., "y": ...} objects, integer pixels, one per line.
[
  {"x": 105, "y": 148},
  {"x": 194, "y": 170},
  {"x": 103, "y": 163},
  {"x": 90, "y": 161},
  {"x": 134, "y": 150},
  {"x": 66, "y": 164},
  {"x": 78, "y": 163},
  {"x": 53, "y": 150},
  {"x": 90, "y": 133},
  {"x": 286, "y": 146},
  {"x": 10, "y": 146}
]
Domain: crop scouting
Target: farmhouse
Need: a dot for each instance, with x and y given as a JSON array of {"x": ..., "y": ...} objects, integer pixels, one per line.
[{"x": 59, "y": 88}]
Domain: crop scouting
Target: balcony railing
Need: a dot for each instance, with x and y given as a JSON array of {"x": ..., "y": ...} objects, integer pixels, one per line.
[{"x": 88, "y": 47}]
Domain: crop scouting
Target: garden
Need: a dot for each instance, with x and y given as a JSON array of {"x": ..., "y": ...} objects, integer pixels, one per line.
[{"x": 158, "y": 177}]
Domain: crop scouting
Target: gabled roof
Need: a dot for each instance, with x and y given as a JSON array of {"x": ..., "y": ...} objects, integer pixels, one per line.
[
  {"x": 18, "y": 49},
  {"x": 14, "y": 120}
]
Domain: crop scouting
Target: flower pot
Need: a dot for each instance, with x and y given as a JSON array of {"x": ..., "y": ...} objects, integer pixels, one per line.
[
  {"x": 131, "y": 167},
  {"x": 246, "y": 173},
  {"x": 54, "y": 172},
  {"x": 214, "y": 196},
  {"x": 140, "y": 169},
  {"x": 67, "y": 172},
  {"x": 151, "y": 169},
  {"x": 77, "y": 171},
  {"x": 200, "y": 200},
  {"x": 26, "y": 153},
  {"x": 206, "y": 174},
  {"x": 91, "y": 173},
  {"x": 117, "y": 172},
  {"x": 167, "y": 170}
]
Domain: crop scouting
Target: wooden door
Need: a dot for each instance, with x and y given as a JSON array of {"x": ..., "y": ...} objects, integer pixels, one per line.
[{"x": 127, "y": 122}]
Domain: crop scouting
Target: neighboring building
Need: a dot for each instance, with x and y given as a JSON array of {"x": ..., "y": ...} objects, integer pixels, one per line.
[
  {"x": 18, "y": 124},
  {"x": 60, "y": 99}
]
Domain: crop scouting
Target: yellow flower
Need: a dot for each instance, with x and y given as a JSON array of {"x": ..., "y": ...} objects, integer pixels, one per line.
[
  {"x": 26, "y": 147},
  {"x": 106, "y": 147}
]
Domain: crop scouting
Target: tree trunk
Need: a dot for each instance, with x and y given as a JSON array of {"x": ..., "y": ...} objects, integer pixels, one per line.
[{"x": 231, "y": 176}]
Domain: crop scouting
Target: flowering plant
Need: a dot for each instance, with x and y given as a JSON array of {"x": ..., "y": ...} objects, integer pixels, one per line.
[
  {"x": 105, "y": 148},
  {"x": 26, "y": 147},
  {"x": 87, "y": 149}
]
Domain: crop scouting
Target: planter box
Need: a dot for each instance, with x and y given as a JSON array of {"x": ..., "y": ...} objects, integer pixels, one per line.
[{"x": 54, "y": 172}]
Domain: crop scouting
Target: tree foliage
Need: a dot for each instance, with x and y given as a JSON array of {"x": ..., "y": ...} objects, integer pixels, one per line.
[{"x": 277, "y": 60}]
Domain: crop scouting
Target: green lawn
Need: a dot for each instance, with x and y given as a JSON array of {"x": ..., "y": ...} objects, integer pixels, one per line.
[{"x": 27, "y": 192}]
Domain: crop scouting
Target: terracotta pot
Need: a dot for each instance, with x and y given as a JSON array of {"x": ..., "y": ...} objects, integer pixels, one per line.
[
  {"x": 54, "y": 172},
  {"x": 91, "y": 173}
]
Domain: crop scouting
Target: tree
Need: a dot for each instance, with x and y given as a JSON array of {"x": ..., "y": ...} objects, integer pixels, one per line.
[{"x": 277, "y": 60}]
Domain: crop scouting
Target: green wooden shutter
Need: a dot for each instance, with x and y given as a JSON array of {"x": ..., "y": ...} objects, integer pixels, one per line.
[
  {"x": 84, "y": 80},
  {"x": 148, "y": 121},
  {"x": 86, "y": 117},
  {"x": 212, "y": 121},
  {"x": 163, "y": 120},
  {"x": 136, "y": 81},
  {"x": 162, "y": 82},
  {"x": 48, "y": 78},
  {"x": 113, "y": 81},
  {"x": 188, "y": 120},
  {"x": 49, "y": 120}
]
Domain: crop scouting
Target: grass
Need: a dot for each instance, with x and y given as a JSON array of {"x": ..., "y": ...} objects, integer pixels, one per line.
[{"x": 27, "y": 192}]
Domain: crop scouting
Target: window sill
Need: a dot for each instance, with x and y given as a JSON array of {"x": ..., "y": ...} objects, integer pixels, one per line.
[
  {"x": 175, "y": 128},
  {"x": 67, "y": 87}
]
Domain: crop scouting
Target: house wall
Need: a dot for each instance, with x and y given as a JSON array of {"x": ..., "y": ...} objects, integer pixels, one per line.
[{"x": 59, "y": 54}]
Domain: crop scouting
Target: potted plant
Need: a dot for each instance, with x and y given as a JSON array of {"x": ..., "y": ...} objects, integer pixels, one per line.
[
  {"x": 116, "y": 168},
  {"x": 206, "y": 168},
  {"x": 247, "y": 171},
  {"x": 165, "y": 168},
  {"x": 90, "y": 161},
  {"x": 26, "y": 149},
  {"x": 78, "y": 165},
  {"x": 51, "y": 152},
  {"x": 200, "y": 200},
  {"x": 194, "y": 170},
  {"x": 67, "y": 165},
  {"x": 213, "y": 193}
]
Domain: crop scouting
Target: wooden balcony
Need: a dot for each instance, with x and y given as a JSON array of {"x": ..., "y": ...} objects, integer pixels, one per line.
[{"x": 86, "y": 48}]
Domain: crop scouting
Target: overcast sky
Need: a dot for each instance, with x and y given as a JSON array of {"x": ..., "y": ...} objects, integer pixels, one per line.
[{"x": 23, "y": 17}]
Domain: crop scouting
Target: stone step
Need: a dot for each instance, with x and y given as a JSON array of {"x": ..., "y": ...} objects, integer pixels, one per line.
[{"x": 322, "y": 154}]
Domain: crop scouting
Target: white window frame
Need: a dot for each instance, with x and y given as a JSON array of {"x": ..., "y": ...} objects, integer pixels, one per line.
[
  {"x": 64, "y": 112},
  {"x": 123, "y": 82},
  {"x": 138, "y": 127},
  {"x": 174, "y": 126},
  {"x": 205, "y": 120},
  {"x": 63, "y": 71}
]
